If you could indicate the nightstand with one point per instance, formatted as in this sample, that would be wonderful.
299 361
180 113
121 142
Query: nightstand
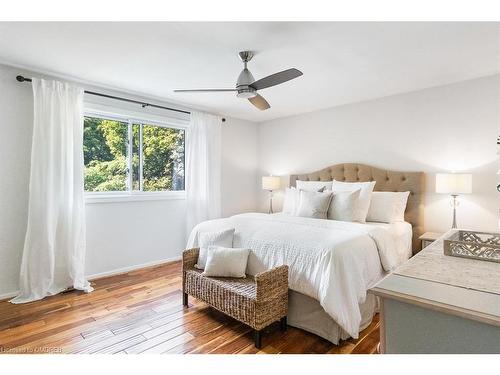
429 237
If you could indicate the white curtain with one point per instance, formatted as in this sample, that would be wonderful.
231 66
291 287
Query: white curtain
54 247
203 169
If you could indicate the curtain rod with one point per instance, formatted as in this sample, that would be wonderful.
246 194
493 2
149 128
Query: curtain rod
143 104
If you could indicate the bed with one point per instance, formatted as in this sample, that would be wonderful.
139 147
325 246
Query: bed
331 263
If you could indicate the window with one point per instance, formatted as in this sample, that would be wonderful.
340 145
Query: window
134 157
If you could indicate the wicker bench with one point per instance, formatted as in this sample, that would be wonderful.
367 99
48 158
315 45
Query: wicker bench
256 301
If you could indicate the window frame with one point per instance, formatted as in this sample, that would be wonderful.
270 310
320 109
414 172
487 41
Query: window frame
138 119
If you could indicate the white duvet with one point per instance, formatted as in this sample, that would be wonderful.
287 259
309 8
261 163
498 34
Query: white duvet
334 262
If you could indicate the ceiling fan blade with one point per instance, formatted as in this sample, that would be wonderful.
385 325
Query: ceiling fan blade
276 79
203 90
259 102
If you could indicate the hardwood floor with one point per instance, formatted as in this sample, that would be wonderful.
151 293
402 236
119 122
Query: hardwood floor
142 312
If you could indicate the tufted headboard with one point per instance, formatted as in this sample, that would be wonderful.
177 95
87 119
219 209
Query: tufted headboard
414 182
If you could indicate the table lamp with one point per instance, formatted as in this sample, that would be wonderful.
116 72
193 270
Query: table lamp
271 183
454 184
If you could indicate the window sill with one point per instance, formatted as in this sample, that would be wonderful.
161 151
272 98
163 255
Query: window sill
92 198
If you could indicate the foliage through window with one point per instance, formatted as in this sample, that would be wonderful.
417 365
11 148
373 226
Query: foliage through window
129 156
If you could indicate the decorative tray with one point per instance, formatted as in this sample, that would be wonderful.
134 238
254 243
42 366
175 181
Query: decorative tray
473 245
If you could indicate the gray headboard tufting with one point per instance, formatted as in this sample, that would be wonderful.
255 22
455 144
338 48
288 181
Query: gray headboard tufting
414 182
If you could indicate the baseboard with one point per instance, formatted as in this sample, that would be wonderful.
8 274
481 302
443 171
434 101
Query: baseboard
123 270
8 295
114 272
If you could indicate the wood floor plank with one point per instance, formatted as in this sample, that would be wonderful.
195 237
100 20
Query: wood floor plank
121 346
368 343
236 344
97 344
211 339
50 332
141 312
156 340
172 322
166 345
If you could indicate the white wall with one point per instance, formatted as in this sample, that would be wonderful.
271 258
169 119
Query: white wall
119 235
15 149
452 127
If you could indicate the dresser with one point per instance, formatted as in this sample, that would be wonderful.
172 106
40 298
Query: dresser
440 304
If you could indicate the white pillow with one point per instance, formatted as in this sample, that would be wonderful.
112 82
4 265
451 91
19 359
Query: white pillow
205 239
344 206
226 262
313 185
365 195
314 204
388 207
290 201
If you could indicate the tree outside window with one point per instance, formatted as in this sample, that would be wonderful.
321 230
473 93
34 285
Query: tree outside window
124 156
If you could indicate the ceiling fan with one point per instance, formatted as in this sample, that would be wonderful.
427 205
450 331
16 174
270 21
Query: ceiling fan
247 86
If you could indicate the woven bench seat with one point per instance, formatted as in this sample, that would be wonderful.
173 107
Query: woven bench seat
257 301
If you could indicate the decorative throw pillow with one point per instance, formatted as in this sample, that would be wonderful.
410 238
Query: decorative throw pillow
388 207
292 199
344 206
313 185
226 262
206 239
365 195
314 204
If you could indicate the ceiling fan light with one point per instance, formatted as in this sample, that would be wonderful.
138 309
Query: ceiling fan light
246 93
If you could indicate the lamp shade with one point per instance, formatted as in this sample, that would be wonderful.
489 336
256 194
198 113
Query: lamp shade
454 183
271 182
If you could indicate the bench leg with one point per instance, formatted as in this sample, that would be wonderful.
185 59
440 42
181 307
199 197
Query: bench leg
257 338
185 299
283 324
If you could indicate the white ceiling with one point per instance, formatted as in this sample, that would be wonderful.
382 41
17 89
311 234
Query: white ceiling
342 62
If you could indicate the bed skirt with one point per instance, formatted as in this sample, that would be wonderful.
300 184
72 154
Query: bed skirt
306 313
